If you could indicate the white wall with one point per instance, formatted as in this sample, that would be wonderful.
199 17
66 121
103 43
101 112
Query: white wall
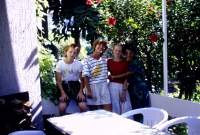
174 106
19 69
49 108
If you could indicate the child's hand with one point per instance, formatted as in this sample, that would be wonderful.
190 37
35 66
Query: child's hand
123 96
81 96
63 98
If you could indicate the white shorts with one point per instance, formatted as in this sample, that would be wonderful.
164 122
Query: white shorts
115 93
100 93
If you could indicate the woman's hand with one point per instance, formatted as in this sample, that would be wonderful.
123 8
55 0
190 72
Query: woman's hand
63 97
80 96
89 94
123 96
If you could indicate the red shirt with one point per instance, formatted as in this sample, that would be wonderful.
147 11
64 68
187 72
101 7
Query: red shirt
117 68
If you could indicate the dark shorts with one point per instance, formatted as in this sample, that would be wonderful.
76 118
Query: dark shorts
71 89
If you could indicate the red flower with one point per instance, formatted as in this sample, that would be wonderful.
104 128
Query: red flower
154 38
169 3
111 21
89 2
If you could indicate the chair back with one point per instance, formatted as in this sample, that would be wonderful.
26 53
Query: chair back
193 124
28 132
152 117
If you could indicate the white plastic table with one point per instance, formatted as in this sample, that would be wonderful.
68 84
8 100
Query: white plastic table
101 122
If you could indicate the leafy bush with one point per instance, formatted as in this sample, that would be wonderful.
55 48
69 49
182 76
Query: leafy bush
47 63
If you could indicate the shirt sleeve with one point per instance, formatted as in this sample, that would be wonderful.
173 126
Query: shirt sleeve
86 69
80 66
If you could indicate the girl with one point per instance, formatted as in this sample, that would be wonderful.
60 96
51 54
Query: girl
118 88
95 77
138 88
68 73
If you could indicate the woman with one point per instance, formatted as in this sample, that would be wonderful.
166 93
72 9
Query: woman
118 88
95 77
138 89
68 73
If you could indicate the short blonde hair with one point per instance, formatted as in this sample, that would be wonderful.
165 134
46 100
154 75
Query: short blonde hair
73 45
100 41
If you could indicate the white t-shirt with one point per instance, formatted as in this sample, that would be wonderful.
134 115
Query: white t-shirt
70 72
96 70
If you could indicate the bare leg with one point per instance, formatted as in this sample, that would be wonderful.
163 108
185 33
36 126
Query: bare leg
107 107
62 108
93 107
82 106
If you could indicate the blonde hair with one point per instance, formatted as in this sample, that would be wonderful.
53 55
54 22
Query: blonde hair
100 41
118 45
73 45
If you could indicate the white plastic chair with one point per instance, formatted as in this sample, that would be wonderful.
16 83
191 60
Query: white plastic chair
152 117
193 124
28 132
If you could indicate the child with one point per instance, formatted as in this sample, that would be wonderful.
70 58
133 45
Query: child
118 88
68 73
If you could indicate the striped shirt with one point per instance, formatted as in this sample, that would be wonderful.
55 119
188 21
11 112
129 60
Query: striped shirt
95 70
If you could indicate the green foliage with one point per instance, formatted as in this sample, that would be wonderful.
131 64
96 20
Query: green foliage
47 63
183 45
136 20
83 53
179 129
40 6
46 60
84 22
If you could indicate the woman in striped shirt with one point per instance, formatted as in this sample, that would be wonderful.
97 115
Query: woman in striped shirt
95 76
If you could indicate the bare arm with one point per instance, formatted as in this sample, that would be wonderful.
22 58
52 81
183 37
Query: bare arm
63 97
89 92
123 94
125 84
82 82
58 81
80 95
125 75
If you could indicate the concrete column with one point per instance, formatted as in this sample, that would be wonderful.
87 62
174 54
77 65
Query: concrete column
19 69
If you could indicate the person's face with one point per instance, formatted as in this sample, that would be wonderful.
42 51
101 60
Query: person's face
100 48
129 55
71 53
117 51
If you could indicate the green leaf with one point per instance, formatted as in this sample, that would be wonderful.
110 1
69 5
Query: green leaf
94 16
91 31
80 10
